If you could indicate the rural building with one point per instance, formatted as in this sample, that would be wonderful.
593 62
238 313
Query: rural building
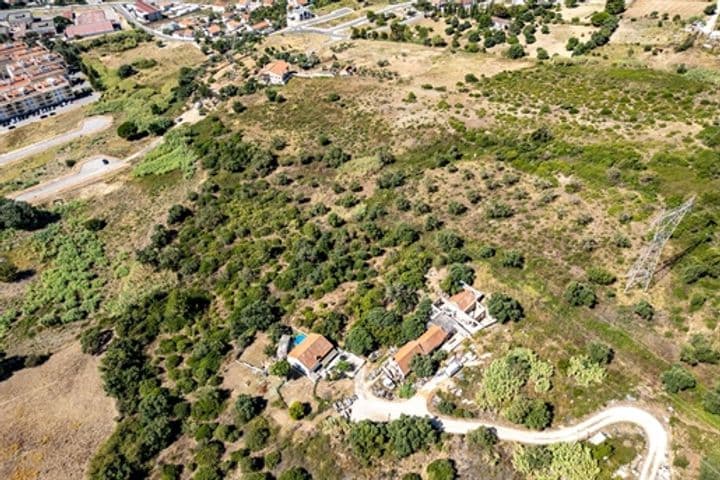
147 12
263 27
312 355
427 343
500 23
298 13
31 78
19 23
276 73
462 313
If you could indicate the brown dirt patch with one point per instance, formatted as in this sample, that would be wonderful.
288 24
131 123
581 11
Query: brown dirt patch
53 418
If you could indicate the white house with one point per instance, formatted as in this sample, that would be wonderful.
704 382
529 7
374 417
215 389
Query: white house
276 73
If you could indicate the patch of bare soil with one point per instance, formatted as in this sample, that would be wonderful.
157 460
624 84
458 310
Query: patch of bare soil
53 417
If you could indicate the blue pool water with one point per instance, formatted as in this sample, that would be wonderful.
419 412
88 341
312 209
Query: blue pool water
298 339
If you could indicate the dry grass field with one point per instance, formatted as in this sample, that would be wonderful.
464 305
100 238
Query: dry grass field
684 8
583 11
554 42
47 128
53 417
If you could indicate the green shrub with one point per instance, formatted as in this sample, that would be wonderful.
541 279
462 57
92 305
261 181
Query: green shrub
644 310
579 294
677 379
505 308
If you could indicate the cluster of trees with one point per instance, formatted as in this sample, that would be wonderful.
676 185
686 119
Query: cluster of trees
502 384
504 308
569 461
151 414
607 21
21 215
371 441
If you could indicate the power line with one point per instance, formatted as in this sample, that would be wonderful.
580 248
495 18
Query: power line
663 226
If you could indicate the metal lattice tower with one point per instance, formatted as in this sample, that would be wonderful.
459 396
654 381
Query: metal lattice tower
664 225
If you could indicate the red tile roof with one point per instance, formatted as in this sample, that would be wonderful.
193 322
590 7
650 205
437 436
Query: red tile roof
278 67
424 345
311 351
144 7
88 29
464 300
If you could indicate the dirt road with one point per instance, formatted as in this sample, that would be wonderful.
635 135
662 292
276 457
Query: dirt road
369 407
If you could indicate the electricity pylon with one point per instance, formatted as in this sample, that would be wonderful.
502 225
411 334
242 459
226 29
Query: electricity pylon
664 225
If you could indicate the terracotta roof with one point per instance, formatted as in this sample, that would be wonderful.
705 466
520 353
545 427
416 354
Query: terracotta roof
261 25
279 68
425 344
214 28
144 7
403 357
311 351
464 300
89 29
432 339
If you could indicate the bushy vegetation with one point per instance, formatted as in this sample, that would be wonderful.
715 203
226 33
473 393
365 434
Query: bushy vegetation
502 386
70 288
569 461
399 438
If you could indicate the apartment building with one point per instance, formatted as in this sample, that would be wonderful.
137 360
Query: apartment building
31 79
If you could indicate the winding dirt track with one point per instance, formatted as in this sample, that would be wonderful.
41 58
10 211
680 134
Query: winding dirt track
369 407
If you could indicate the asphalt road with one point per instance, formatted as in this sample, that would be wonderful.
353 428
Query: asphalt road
131 19
90 171
309 26
90 125
369 407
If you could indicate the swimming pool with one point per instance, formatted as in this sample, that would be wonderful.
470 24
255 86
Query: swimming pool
298 339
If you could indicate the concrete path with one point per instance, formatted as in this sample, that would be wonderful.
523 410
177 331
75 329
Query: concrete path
369 407
90 125
86 173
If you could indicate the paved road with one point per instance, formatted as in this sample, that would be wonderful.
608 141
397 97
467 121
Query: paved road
93 169
90 171
369 407
308 26
74 105
90 125
131 19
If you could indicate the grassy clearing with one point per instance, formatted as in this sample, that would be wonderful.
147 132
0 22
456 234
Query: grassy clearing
173 154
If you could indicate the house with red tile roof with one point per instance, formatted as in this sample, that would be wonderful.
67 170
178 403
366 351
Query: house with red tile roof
425 344
262 27
312 354
89 29
276 73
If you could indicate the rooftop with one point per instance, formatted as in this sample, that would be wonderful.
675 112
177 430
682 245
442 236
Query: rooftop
311 351
278 67
423 345
89 29
464 300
